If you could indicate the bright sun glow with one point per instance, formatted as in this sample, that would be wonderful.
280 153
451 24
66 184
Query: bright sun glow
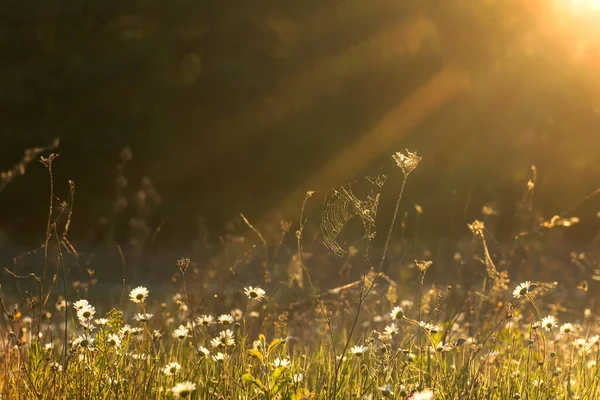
583 5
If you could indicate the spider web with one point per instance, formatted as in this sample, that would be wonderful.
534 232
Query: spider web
343 205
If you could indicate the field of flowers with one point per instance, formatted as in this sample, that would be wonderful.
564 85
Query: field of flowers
394 333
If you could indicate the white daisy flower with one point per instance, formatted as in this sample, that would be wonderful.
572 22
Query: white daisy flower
281 362
139 356
101 321
143 317
224 339
135 330
549 322
79 304
391 330
203 352
183 389
386 391
255 293
225 319
524 288
139 294
171 368
86 313
567 328
205 320
358 350
297 378
429 327
397 313
56 367
237 314
113 340
219 357
125 330
441 347
424 395
181 332
84 341
61 305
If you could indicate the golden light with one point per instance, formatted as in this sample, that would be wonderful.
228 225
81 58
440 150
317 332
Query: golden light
582 5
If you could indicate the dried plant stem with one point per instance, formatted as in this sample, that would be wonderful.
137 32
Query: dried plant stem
312 286
364 294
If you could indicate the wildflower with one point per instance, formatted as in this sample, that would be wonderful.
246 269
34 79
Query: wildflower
423 265
86 313
183 389
524 288
254 293
358 350
203 352
219 357
205 320
441 347
407 163
476 228
61 305
171 368
135 330
386 391
49 346
429 327
125 330
183 264
84 341
297 378
225 319
156 334
113 340
139 294
566 328
225 339
424 395
237 314
391 330
55 367
143 317
491 356
281 362
549 322
406 303
79 304
101 321
139 356
257 345
397 313
181 332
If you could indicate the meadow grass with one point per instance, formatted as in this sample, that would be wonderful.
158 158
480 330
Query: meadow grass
392 333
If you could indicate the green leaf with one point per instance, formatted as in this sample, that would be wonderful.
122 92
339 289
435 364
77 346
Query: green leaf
277 373
256 354
249 378
273 344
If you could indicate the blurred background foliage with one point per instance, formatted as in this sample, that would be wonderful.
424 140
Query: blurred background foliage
241 106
